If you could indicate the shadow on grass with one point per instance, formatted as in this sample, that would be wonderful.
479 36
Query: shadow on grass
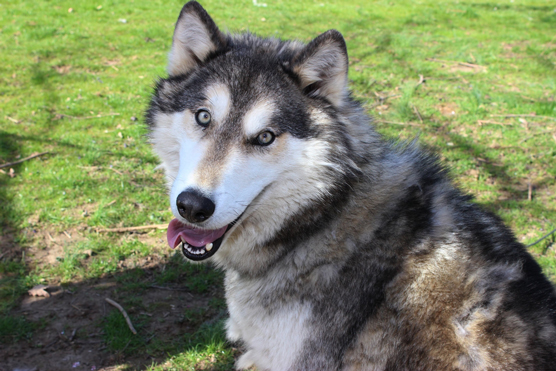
176 308
11 261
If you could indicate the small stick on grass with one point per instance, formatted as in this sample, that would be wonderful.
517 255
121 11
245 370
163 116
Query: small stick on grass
396 123
471 65
23 159
526 115
131 229
13 120
72 334
123 350
89 117
421 81
124 313
533 135
481 122
542 238
116 171
79 309
417 111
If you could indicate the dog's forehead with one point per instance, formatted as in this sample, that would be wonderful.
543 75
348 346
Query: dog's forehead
241 91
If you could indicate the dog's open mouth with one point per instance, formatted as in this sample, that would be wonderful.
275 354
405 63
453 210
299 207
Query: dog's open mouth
196 244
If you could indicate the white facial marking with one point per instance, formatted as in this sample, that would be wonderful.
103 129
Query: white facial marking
258 118
192 148
191 153
219 101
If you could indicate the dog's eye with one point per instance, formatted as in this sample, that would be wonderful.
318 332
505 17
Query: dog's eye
203 117
265 138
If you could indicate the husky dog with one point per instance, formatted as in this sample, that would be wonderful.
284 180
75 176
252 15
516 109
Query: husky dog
342 250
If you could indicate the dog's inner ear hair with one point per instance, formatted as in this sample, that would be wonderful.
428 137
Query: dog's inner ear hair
322 67
196 36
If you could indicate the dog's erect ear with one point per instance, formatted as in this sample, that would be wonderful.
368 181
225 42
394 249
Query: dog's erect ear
322 67
195 37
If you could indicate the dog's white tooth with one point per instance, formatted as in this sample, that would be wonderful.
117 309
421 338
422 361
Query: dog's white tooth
183 239
208 246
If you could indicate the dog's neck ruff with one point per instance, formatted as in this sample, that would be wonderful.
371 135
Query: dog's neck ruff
196 244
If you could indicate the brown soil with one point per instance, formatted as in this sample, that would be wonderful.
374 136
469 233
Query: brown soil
69 334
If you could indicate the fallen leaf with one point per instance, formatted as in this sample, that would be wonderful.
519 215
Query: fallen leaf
39 290
12 173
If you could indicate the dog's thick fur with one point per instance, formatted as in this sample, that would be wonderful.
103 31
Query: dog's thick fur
342 251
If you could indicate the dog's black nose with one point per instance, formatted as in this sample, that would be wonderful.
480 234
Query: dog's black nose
194 207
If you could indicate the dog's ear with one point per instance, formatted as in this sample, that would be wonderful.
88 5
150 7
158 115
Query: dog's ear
195 38
322 67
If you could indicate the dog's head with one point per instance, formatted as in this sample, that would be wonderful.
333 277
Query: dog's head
247 128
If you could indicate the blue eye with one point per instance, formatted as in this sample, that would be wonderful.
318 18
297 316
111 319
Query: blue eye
265 138
203 117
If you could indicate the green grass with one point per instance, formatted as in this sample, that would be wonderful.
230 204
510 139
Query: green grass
13 329
205 349
71 82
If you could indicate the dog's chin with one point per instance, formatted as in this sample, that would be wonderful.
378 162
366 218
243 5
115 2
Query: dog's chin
201 253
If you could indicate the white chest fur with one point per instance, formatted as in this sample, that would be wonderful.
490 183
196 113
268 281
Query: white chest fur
274 338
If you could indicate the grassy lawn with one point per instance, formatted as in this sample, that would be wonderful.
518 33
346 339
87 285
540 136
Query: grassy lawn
474 80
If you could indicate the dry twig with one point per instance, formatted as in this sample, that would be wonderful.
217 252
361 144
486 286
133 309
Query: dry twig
23 159
421 81
13 120
396 123
417 113
131 229
470 65
526 115
87 117
480 122
542 238
534 135
124 313
116 171
168 288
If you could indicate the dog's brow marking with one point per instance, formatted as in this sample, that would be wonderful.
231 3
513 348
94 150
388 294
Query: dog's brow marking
219 100
258 117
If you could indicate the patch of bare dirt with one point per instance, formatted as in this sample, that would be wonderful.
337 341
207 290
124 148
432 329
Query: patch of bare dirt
71 334
514 50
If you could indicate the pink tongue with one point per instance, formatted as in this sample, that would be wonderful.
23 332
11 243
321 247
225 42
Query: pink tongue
194 236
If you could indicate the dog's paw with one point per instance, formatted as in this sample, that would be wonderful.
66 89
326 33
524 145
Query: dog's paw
233 333
245 361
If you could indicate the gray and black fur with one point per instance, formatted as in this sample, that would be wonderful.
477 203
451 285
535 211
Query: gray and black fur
392 266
